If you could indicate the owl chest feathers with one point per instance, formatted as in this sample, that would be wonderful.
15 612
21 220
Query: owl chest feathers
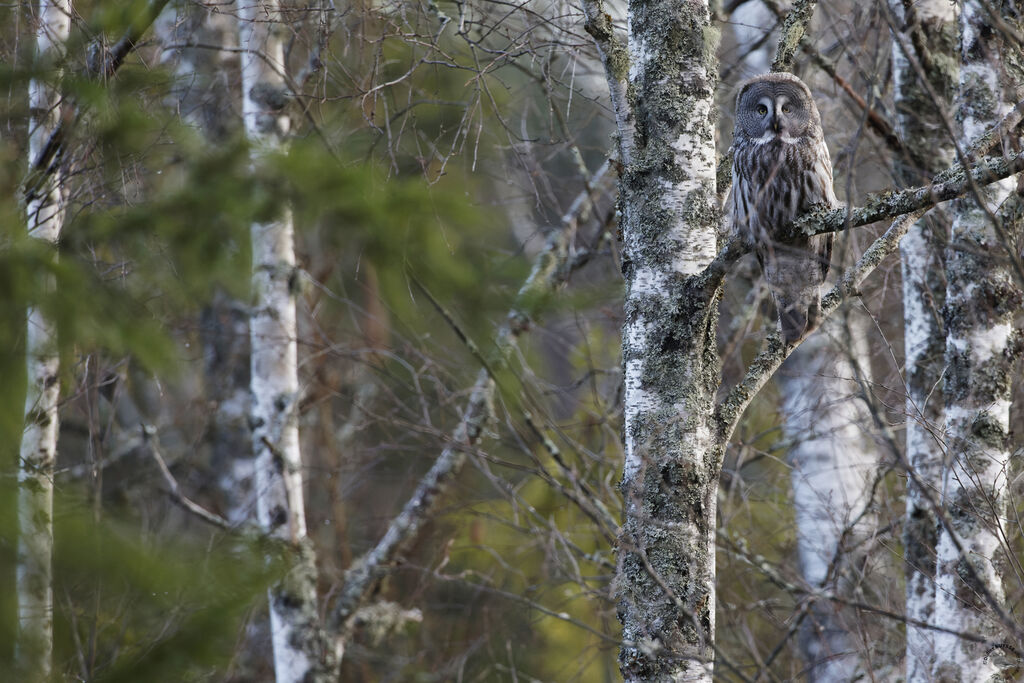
775 181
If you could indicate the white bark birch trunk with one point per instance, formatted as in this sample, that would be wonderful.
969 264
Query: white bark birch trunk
928 33
981 298
833 466
666 572
301 650
39 441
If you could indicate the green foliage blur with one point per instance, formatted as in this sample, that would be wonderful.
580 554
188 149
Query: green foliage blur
129 610
157 227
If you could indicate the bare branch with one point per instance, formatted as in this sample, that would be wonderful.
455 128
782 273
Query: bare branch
112 59
739 549
149 438
616 68
549 271
103 63
891 204
876 121
761 369
793 30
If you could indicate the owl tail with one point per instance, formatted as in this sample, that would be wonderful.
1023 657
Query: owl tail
798 316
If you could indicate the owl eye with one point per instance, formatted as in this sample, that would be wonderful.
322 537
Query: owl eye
762 110
786 109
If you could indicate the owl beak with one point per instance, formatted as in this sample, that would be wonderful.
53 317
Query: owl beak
775 124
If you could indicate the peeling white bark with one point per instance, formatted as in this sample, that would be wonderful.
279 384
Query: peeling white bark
670 225
977 384
301 652
921 269
38 453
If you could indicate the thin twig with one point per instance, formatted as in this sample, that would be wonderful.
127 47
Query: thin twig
548 272
103 65
793 29
149 438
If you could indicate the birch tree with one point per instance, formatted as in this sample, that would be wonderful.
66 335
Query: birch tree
924 63
45 210
670 229
982 296
301 649
834 471
675 435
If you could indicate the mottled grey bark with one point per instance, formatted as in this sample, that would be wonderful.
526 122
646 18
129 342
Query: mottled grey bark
302 649
925 65
670 221
981 347
224 330
45 215
793 30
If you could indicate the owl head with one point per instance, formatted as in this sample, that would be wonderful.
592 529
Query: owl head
775 106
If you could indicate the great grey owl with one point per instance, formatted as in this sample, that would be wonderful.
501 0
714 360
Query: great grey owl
781 169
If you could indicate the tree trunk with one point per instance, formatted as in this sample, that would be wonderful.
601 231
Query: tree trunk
670 218
981 299
301 650
202 96
833 466
926 35
39 441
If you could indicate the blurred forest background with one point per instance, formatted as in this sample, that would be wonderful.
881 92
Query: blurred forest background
437 150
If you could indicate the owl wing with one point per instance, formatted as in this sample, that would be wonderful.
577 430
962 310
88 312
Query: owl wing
818 191
807 264
743 210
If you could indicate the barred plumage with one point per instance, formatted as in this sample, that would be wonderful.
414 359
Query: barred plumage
781 169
